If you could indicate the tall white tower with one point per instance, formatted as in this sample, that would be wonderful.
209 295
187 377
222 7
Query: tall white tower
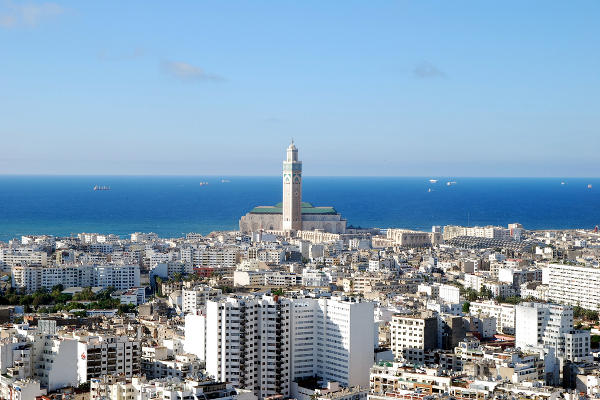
292 190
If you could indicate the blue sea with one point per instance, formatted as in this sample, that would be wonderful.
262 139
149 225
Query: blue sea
172 206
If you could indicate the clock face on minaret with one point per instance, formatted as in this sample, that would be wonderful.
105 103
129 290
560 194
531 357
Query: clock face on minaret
292 190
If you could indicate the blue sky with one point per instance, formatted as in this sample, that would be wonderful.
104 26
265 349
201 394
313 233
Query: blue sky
446 88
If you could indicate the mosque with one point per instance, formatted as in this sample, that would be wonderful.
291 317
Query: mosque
292 214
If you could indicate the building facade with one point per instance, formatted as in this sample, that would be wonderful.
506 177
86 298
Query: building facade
292 214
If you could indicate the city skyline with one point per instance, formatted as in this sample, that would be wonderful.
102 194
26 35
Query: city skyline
407 89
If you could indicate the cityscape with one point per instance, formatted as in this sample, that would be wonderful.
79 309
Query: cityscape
299 304
315 200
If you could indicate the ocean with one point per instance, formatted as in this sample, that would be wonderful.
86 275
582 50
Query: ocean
174 205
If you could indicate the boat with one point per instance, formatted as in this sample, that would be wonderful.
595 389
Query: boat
562 183
590 186
225 181
450 183
429 190
203 183
433 180
98 187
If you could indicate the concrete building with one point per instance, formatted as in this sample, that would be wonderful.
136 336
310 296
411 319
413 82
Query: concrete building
55 362
248 343
409 238
576 285
265 343
292 214
102 355
413 335
542 325
31 278
194 299
504 314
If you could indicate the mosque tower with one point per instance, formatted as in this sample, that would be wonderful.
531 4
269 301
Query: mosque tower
292 190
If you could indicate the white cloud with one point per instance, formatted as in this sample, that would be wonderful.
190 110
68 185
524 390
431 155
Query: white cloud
188 72
16 14
428 70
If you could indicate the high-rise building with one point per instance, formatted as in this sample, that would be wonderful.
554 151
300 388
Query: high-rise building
248 343
542 325
576 285
265 343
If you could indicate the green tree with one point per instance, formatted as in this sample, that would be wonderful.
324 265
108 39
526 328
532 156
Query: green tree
466 306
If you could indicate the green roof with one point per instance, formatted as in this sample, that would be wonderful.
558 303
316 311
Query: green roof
307 208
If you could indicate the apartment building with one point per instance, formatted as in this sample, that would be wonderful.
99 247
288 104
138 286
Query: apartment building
31 278
265 343
576 285
332 338
542 325
101 355
413 335
248 343
55 361
23 256
504 314
194 299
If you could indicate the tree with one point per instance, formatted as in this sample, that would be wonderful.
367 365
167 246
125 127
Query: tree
466 306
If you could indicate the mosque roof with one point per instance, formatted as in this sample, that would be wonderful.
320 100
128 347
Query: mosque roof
307 208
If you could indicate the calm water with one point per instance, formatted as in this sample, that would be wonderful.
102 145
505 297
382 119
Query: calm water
172 206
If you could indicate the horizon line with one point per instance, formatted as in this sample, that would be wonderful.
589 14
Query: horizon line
304 176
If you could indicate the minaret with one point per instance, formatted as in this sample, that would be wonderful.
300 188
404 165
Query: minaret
292 190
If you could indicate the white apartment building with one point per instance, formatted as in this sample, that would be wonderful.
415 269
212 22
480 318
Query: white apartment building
205 256
23 256
194 299
15 357
32 278
576 285
55 361
542 325
490 232
332 338
264 343
248 343
504 314
117 276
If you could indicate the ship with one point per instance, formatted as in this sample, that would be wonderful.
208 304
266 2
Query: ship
98 187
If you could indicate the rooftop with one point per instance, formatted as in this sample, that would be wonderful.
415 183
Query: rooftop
307 208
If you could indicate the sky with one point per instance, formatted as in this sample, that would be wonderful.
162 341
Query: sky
376 88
